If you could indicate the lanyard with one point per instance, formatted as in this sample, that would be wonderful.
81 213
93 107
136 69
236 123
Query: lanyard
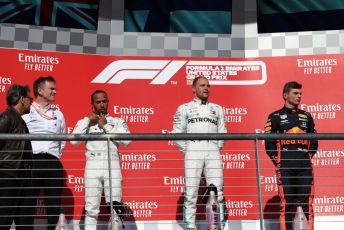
42 113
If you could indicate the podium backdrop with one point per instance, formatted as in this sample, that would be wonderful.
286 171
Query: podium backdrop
145 92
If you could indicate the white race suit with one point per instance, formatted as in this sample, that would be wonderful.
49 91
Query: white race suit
97 170
200 117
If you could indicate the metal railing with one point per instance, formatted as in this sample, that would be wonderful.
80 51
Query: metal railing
255 137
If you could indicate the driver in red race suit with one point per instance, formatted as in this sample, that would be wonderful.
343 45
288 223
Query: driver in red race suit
292 158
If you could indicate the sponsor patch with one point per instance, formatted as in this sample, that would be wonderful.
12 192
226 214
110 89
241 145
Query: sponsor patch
267 129
283 116
302 115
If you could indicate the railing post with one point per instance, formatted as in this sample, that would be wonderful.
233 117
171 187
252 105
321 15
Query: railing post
260 201
110 181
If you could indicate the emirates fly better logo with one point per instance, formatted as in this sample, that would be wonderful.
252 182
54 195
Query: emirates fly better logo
161 71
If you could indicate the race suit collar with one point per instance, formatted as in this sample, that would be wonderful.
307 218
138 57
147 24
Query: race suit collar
201 102
106 115
290 110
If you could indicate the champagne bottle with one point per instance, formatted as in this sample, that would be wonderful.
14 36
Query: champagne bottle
62 222
300 221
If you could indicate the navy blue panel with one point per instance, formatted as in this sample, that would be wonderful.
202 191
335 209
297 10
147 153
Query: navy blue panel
89 21
158 19
305 21
71 13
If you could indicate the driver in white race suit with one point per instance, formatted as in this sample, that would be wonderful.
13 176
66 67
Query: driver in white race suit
200 116
96 169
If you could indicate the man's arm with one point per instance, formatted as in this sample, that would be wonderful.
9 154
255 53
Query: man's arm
63 131
4 121
271 145
119 127
221 126
313 147
179 126
81 127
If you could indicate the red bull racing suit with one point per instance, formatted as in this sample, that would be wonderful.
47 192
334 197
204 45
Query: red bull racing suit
293 161
200 117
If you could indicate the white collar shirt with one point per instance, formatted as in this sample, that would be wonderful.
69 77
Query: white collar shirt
46 120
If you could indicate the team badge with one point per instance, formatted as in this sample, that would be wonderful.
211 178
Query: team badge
283 116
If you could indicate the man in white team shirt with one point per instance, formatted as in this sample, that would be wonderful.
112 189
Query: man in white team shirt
47 172
96 169
200 116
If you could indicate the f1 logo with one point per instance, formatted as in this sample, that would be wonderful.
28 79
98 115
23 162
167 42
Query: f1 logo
160 71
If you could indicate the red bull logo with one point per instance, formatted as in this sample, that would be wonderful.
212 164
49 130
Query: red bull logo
295 130
293 142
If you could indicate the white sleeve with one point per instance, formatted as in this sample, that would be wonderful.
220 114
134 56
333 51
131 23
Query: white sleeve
80 128
221 126
179 126
26 118
63 131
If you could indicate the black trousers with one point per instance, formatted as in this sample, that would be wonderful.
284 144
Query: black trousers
15 201
295 187
48 175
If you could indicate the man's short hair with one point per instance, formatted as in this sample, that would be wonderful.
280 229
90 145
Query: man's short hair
96 92
194 82
40 82
291 85
15 92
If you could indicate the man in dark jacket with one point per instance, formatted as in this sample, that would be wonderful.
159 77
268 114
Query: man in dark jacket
15 162
292 158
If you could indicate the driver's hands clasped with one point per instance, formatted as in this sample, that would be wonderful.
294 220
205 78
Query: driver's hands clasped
97 119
